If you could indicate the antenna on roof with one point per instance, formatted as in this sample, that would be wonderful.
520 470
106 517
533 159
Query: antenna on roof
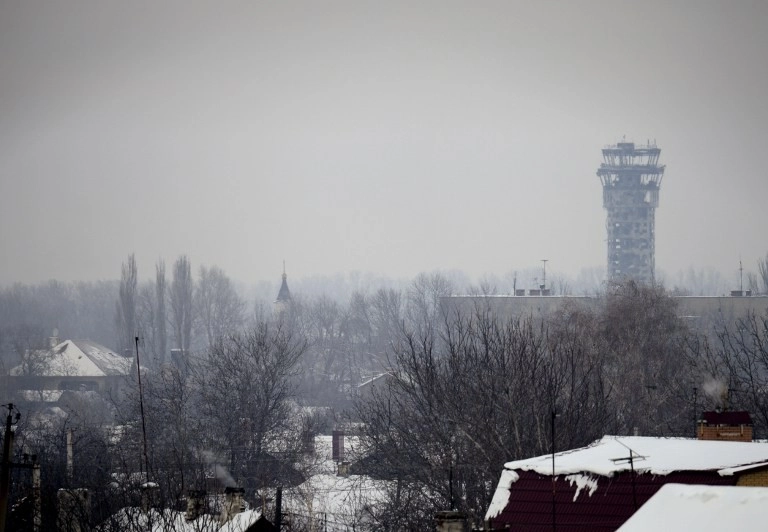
631 459
741 276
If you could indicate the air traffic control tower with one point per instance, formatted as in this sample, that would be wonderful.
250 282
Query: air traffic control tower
631 177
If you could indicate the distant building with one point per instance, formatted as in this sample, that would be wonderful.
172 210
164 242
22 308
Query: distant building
77 365
631 177
283 301
700 312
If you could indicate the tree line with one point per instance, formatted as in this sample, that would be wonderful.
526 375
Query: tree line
464 390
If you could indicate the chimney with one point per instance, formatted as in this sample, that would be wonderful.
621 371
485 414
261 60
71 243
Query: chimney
53 340
308 442
195 504
725 426
338 446
74 510
233 503
149 496
450 521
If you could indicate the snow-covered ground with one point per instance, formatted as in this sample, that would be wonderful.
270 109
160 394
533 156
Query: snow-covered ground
134 520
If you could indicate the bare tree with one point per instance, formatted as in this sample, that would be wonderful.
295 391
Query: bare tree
762 268
644 344
181 303
161 315
220 310
423 303
734 362
471 393
125 316
245 383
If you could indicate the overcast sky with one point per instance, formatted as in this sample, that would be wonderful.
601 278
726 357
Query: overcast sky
390 137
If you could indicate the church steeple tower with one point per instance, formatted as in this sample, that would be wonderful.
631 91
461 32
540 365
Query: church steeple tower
284 295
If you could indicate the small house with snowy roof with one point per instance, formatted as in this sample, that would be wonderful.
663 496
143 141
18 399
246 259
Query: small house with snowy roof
80 365
600 486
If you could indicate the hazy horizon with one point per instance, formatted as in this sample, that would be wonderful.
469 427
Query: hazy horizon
391 138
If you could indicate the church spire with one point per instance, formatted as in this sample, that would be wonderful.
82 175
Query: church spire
284 295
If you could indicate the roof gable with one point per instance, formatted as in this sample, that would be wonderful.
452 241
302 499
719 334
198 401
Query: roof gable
78 358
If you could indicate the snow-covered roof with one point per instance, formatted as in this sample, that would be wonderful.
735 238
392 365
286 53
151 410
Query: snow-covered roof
78 358
701 508
658 456
342 500
375 378
134 520
45 396
323 456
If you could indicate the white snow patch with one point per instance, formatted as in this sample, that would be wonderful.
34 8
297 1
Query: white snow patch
134 520
347 499
701 508
582 481
658 456
76 358
501 496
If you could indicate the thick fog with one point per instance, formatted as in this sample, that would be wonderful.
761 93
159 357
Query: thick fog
385 137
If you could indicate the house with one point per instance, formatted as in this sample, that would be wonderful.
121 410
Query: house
333 498
600 486
80 365
725 425
701 508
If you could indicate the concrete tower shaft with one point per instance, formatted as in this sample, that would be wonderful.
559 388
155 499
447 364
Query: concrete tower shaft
631 177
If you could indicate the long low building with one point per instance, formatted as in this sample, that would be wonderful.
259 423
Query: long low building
699 310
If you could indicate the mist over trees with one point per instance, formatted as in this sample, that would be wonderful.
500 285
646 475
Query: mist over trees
233 389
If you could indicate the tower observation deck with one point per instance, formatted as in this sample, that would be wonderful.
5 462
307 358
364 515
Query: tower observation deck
631 177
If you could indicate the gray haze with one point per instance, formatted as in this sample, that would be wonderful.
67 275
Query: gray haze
391 137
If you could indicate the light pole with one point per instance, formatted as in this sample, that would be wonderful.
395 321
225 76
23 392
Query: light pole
5 467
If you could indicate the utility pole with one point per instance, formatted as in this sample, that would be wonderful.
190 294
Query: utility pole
37 518
695 413
554 483
70 457
141 407
5 466
279 507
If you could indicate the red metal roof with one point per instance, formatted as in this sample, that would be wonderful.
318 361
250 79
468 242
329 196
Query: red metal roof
727 418
529 506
